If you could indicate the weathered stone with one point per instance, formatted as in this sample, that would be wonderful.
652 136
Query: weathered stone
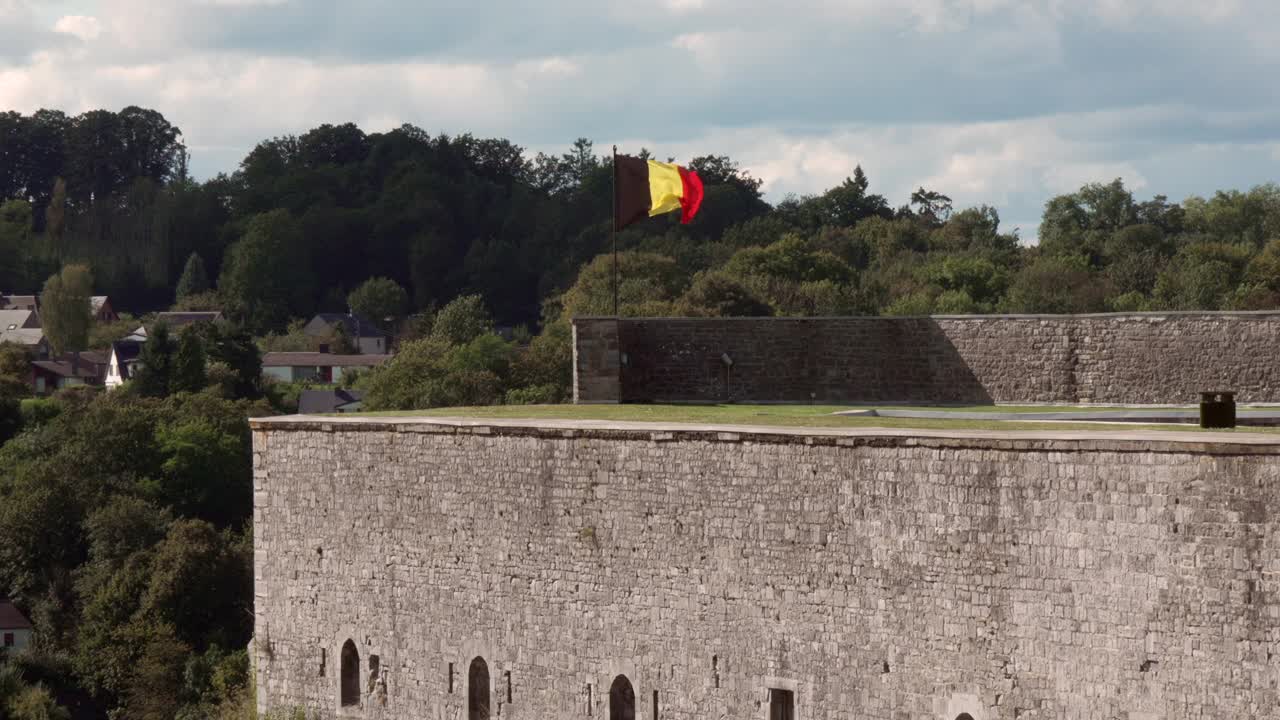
879 575
1144 358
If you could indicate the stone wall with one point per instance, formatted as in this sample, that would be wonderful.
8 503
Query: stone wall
1143 358
873 575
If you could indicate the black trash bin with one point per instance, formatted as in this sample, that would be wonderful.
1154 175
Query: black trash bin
1217 409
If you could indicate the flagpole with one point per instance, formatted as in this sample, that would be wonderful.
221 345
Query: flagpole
615 230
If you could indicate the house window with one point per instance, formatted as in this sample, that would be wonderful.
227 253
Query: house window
350 674
478 690
8 640
782 705
622 699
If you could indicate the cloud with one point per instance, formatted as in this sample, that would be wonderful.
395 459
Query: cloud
999 101
79 26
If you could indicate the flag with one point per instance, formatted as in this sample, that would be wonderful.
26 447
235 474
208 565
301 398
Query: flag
644 188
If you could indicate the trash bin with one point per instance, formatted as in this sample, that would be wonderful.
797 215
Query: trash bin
1217 409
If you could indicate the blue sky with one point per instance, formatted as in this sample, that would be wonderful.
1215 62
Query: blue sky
1004 102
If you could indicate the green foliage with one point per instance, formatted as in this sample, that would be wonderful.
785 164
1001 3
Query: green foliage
434 373
194 279
156 363
262 279
65 311
189 362
206 301
378 299
647 283
720 294
463 320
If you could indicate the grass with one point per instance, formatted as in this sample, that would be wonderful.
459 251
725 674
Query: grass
776 415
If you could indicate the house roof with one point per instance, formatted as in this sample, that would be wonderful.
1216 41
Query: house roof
63 368
18 320
97 301
96 357
313 402
126 350
11 618
317 359
29 337
22 301
367 328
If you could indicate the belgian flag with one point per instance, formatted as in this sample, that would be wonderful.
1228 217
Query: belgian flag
644 188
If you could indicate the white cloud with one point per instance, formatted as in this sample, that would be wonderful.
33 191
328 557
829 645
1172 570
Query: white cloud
83 27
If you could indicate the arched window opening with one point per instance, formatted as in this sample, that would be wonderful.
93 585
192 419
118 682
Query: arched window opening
964 716
478 690
622 699
350 674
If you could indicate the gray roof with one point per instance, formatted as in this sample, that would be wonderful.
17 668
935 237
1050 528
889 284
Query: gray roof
29 337
324 323
18 320
318 359
313 402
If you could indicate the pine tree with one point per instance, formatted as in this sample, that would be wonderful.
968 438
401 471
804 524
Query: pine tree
156 363
195 279
188 363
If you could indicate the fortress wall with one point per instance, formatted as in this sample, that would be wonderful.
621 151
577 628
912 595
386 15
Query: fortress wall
1145 358
912 577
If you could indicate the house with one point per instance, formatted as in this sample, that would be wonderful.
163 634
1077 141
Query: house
366 336
122 360
318 366
68 371
178 320
19 302
11 319
100 306
32 340
316 402
15 628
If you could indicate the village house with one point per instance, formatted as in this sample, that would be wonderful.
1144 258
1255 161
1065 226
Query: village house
19 302
122 360
362 332
322 367
69 370
100 306
15 628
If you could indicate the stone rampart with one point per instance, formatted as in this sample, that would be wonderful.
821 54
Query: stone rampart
1004 576
1144 358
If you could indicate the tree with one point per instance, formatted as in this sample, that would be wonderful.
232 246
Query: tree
65 309
379 299
194 280
188 363
265 275
15 238
462 320
156 363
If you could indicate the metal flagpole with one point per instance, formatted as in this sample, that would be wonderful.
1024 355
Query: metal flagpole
615 230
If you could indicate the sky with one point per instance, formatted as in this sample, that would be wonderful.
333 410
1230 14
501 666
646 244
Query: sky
998 102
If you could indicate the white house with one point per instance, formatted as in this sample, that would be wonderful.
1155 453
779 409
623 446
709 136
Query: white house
15 628
122 361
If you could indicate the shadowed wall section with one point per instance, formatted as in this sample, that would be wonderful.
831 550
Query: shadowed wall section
1148 358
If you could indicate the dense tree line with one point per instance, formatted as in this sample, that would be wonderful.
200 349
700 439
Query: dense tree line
306 219
124 516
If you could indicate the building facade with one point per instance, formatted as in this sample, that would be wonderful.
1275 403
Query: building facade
436 568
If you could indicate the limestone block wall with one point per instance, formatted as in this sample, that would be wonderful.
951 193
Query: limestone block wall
1143 358
873 576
